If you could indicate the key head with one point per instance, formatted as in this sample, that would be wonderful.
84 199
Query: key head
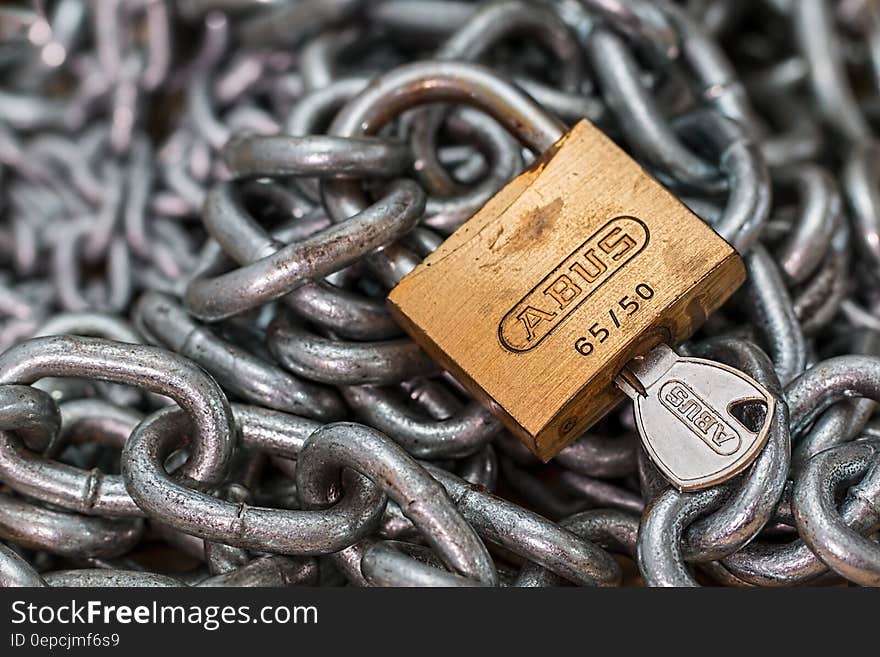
684 413
578 265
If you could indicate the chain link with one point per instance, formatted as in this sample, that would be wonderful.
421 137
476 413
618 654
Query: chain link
204 203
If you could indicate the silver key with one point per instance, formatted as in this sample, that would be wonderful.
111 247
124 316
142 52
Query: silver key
683 412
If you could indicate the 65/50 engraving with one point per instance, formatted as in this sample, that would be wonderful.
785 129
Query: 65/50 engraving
627 306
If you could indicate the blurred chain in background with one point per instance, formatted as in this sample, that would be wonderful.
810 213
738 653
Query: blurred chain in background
204 202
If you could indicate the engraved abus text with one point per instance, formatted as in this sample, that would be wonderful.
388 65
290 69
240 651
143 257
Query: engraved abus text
698 416
572 282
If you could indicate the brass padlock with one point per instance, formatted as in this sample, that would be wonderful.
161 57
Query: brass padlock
577 266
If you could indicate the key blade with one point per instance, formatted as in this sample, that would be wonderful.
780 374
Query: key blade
653 365
629 383
642 371
686 424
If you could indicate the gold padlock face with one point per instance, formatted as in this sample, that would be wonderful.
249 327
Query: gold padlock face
578 265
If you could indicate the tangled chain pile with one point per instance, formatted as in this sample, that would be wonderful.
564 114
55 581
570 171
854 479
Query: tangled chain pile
203 204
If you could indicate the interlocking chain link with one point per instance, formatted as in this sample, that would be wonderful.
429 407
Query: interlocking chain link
203 204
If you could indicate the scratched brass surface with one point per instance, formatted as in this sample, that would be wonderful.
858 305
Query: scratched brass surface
578 265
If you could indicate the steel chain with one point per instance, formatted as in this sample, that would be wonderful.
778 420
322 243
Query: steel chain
203 204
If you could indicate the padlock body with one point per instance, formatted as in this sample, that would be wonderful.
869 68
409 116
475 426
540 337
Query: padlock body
578 265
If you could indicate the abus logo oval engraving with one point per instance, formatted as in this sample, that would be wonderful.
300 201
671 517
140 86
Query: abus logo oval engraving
572 282
698 416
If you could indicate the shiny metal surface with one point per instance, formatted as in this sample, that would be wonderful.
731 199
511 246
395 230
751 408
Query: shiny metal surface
203 205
